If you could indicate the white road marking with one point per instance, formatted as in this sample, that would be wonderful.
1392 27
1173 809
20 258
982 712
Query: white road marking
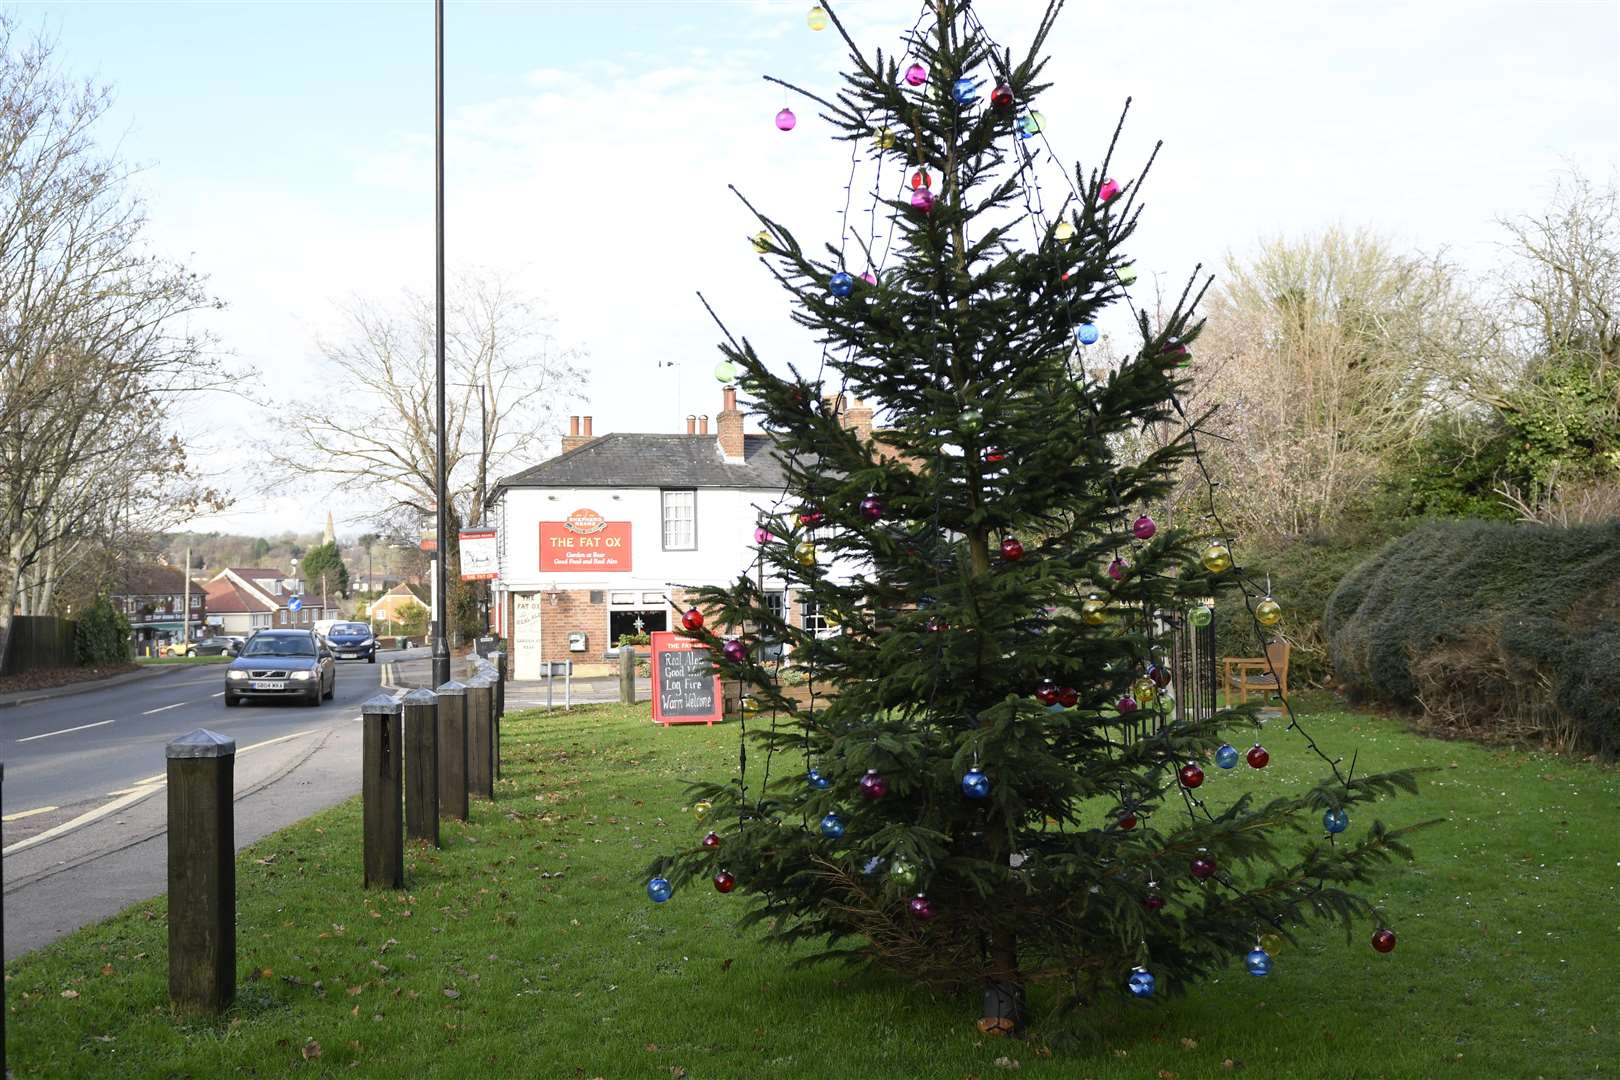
19 815
220 694
64 731
141 790
165 708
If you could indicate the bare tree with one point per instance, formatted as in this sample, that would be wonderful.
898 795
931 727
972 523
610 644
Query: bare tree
374 435
94 339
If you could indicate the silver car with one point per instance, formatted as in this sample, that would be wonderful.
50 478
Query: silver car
293 664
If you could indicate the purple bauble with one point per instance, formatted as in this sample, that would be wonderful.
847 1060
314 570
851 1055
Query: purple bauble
762 535
921 908
785 120
1203 868
872 508
1126 705
1116 569
922 199
916 75
1143 528
873 786
734 650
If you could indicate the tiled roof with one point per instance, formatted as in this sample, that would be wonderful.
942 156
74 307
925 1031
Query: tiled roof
149 581
226 596
633 460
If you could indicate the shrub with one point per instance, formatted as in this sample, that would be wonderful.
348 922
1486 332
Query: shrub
101 634
1497 630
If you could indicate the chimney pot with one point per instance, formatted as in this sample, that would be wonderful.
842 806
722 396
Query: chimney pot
729 399
703 424
691 423
587 432
573 425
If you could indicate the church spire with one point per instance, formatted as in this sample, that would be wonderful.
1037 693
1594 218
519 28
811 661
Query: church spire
329 535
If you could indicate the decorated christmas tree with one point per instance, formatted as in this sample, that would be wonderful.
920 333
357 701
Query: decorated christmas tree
984 763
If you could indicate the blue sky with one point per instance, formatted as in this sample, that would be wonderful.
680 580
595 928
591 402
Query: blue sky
287 152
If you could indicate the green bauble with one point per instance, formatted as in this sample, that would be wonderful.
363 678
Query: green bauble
903 874
725 371
1126 274
1200 616
971 421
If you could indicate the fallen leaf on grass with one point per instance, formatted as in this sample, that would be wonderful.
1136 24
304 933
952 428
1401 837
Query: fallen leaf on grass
70 994
107 969
1228 1064
311 1050
451 992
1189 1044
355 990
651 1048
1007 1063
677 1072
1166 1074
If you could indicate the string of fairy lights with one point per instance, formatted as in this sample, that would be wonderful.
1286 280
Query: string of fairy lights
1026 126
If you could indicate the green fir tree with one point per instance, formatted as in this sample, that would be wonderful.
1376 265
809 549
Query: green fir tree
935 806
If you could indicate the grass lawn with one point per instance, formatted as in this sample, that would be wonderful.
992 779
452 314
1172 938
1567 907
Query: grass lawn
526 947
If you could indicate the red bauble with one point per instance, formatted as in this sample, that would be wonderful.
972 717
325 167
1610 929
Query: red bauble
935 624
1001 96
873 786
1191 775
992 456
1012 550
1127 821
712 840
811 517
1258 756
921 180
921 908
1203 868
1068 697
724 882
1047 693
1383 941
693 619
1160 675
1153 901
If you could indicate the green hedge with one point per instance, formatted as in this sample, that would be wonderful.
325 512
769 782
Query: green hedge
102 634
1493 629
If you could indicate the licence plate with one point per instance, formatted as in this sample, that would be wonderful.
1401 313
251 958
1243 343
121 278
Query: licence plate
266 684
350 655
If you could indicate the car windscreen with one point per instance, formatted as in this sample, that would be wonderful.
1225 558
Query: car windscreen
279 646
351 628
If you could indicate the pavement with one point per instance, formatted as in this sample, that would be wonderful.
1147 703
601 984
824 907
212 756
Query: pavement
84 800
527 693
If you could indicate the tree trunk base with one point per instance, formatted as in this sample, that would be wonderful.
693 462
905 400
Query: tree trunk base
1003 1010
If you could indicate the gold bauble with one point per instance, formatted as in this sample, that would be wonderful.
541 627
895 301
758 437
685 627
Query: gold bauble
1093 611
805 553
1268 612
1064 230
1144 690
817 18
701 809
749 706
884 139
1217 558
762 241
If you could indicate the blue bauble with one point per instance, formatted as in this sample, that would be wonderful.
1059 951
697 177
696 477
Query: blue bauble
964 91
1227 756
1335 821
832 826
817 781
976 785
1141 983
1258 962
840 284
659 890
874 866
1086 334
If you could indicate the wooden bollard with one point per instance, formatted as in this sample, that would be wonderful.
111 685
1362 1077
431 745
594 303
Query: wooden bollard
452 698
420 710
202 871
627 675
382 817
480 738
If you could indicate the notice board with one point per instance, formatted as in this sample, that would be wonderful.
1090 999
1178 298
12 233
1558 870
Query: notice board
685 685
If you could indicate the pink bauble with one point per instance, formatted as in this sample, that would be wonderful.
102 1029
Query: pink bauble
916 75
922 199
873 785
762 535
1116 569
869 277
1109 191
1143 528
921 908
785 120
1126 705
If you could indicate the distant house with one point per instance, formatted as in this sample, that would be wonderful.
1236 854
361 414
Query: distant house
244 599
152 599
393 604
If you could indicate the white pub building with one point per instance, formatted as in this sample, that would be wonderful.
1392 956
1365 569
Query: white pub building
599 541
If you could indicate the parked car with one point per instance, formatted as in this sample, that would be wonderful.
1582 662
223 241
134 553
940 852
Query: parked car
352 641
282 664
177 648
217 646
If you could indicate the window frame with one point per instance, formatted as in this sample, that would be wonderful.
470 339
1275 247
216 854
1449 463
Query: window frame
663 518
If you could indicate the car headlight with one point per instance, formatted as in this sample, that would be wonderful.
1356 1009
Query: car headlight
236 673
301 676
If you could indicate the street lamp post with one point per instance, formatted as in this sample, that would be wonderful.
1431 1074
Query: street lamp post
441 644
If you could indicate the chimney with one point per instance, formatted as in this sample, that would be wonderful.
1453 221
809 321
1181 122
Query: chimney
691 424
728 425
858 418
703 424
574 439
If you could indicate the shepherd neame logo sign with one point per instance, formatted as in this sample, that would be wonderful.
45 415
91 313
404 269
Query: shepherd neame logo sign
584 541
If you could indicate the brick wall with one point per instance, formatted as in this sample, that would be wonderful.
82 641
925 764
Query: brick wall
566 612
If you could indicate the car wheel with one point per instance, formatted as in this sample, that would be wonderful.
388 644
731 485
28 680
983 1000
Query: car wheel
232 701
314 698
